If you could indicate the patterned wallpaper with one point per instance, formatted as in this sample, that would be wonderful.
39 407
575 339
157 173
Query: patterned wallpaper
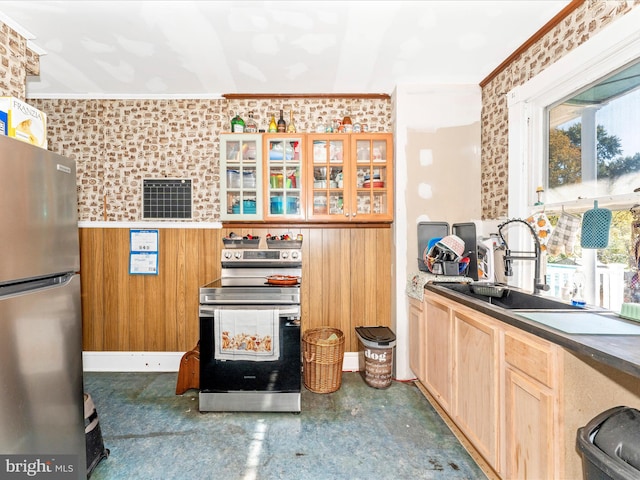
15 61
588 19
118 143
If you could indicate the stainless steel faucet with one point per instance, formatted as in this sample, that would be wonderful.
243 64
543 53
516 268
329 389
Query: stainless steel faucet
539 283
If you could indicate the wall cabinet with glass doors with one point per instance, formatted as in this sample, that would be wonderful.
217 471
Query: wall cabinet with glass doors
282 182
350 177
307 177
240 176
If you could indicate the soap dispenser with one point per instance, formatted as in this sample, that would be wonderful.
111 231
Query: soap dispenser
578 292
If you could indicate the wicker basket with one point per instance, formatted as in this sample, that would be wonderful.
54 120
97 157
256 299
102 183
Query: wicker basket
322 359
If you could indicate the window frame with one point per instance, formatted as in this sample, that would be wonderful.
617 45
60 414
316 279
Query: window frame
612 48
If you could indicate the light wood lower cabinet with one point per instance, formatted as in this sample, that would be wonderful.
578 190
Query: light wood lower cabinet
532 428
501 386
416 338
438 351
475 382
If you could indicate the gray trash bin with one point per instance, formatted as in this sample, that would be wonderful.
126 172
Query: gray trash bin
610 445
375 356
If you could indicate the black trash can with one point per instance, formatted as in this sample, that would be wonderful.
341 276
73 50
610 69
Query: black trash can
375 355
93 436
610 445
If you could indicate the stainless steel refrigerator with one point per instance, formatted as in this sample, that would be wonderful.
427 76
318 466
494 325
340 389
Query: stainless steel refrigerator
41 386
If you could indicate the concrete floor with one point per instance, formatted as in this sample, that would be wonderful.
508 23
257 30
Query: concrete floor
355 433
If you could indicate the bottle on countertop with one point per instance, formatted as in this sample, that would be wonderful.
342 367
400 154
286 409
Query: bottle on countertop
237 124
291 128
250 125
273 126
579 281
320 128
282 125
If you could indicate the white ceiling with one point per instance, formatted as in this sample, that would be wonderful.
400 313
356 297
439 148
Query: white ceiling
206 48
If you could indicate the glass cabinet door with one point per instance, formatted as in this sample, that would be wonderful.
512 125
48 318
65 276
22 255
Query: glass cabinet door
240 175
373 175
327 182
283 182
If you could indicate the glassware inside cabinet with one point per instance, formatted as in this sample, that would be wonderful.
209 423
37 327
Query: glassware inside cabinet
328 151
363 151
241 151
320 202
379 153
233 151
286 203
243 205
284 164
284 150
319 177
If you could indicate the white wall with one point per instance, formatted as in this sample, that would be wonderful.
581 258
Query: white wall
437 167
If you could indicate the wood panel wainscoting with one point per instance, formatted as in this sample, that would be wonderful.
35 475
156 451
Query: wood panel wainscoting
346 283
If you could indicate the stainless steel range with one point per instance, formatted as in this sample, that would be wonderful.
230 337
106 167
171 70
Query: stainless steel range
250 333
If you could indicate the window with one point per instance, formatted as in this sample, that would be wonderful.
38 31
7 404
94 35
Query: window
572 130
593 150
594 140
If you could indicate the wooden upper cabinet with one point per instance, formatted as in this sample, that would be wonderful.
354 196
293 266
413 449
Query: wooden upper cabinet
372 171
240 176
332 178
350 177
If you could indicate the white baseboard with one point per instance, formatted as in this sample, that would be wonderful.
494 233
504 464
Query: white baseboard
160 361
131 361
350 362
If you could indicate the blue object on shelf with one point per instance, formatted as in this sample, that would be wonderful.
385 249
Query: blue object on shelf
277 205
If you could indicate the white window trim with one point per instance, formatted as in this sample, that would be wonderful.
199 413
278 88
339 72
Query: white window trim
610 49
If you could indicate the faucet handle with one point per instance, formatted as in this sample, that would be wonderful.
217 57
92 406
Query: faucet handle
508 269
541 286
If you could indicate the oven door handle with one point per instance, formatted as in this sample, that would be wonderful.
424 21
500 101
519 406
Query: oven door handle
283 311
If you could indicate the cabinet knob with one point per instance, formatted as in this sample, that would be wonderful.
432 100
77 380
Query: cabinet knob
346 214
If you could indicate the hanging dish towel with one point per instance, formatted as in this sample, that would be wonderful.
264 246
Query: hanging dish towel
416 283
542 227
595 227
247 335
563 237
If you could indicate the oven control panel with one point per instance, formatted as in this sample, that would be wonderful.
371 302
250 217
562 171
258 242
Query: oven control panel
268 256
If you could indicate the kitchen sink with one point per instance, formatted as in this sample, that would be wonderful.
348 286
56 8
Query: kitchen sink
513 299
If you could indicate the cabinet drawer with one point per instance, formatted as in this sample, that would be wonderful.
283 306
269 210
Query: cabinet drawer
531 357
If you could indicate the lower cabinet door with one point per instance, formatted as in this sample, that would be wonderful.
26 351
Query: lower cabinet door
476 384
529 420
438 357
416 338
